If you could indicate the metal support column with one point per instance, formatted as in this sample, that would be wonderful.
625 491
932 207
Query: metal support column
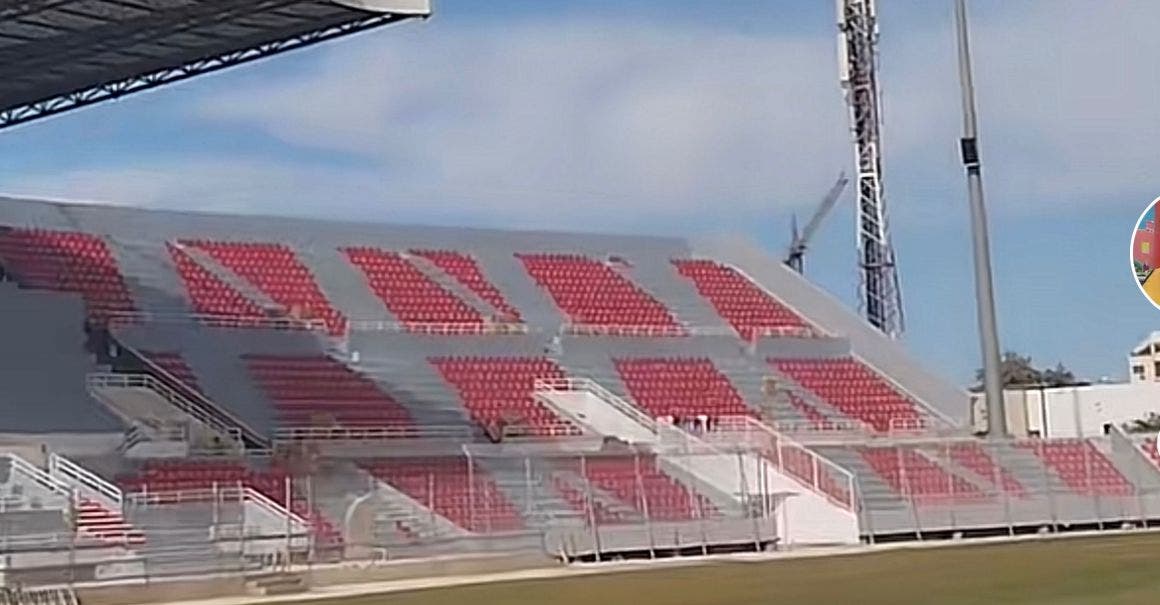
984 289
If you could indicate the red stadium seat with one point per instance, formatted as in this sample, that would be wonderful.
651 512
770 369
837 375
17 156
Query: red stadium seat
853 389
453 487
739 301
496 388
591 293
407 292
67 261
680 387
319 391
275 270
466 270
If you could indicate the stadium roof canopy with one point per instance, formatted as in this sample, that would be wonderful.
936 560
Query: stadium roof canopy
57 55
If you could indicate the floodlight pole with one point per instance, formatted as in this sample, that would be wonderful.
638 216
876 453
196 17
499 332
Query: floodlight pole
984 287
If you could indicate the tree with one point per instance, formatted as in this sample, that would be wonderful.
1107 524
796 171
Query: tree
1059 376
1017 371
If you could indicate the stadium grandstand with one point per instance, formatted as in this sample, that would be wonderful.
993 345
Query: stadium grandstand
191 394
325 391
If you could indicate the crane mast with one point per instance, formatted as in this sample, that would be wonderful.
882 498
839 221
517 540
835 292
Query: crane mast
880 295
799 242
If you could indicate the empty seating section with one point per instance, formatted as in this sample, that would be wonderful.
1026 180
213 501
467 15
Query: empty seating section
591 293
913 475
978 461
275 270
1082 466
748 308
211 296
174 365
319 391
852 389
453 487
407 292
465 269
500 389
66 261
681 387
638 482
185 480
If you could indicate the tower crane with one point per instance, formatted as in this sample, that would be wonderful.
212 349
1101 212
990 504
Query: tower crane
797 247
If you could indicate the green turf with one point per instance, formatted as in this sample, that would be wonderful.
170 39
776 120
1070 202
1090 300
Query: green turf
1120 569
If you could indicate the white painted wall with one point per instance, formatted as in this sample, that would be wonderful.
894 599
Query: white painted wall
1076 411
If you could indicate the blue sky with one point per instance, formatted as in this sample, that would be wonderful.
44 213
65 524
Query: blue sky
665 117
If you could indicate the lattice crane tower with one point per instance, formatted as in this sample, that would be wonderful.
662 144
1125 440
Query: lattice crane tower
880 296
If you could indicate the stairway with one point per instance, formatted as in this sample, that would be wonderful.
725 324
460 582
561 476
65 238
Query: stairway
93 520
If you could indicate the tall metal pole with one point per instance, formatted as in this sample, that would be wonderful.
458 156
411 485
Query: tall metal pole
984 289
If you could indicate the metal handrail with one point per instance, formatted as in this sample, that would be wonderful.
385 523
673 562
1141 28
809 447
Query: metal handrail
59 466
750 425
437 328
128 318
338 433
146 381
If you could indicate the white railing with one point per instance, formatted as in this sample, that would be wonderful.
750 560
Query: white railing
145 381
793 459
635 331
785 332
223 493
566 385
128 318
826 427
38 476
437 328
339 433
88 483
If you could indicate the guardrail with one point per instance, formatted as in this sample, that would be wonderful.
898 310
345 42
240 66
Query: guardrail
38 476
791 458
88 483
437 328
129 318
318 433
146 381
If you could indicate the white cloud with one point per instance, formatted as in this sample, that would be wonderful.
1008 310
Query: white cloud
612 124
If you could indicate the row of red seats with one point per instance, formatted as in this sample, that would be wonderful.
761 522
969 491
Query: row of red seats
747 307
407 292
591 293
454 487
1082 466
319 391
500 389
852 389
67 261
680 387
465 269
914 475
276 270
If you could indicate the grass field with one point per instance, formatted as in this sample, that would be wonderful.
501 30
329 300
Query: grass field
1119 569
